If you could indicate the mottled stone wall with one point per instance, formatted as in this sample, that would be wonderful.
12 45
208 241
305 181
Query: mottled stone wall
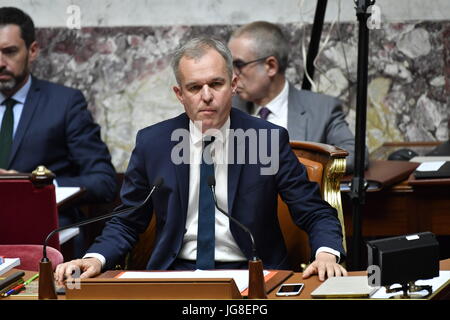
125 74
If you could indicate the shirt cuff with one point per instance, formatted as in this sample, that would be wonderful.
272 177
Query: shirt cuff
96 255
329 250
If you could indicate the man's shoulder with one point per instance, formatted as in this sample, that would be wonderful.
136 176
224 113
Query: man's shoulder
51 85
312 99
166 127
54 87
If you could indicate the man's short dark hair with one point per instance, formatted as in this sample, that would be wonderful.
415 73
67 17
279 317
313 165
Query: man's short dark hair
196 48
11 15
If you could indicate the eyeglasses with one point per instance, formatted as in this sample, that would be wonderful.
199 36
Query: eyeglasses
239 64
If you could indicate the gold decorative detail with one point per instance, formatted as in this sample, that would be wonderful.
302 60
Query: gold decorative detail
42 176
42 171
331 190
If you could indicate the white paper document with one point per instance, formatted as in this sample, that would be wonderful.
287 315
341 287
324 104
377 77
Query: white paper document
63 193
240 276
430 166
435 283
8 264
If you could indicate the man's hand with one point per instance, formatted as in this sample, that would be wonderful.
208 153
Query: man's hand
89 267
3 171
325 265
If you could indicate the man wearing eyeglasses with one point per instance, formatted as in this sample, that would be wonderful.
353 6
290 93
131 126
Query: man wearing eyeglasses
260 57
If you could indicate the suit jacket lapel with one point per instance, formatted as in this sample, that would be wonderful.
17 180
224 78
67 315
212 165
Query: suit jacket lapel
182 170
234 168
297 116
30 106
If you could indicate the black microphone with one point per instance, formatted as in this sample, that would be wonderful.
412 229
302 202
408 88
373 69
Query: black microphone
48 290
212 185
256 283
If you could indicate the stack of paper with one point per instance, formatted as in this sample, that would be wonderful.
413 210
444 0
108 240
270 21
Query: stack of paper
8 264
240 276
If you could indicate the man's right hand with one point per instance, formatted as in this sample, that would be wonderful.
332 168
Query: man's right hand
87 268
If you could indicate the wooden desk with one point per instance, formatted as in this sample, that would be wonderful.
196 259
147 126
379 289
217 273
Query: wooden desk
310 285
403 208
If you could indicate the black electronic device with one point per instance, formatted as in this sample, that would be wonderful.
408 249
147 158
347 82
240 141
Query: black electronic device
290 289
403 260
402 155
441 150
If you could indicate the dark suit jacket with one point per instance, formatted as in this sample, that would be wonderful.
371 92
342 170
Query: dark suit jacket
252 199
56 130
315 117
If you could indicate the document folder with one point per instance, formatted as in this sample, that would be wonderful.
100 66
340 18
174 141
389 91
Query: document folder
344 287
382 174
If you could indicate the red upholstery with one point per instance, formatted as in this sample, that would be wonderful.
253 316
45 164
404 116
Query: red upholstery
30 255
27 213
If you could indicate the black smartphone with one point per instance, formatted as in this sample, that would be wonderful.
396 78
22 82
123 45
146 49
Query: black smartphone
290 289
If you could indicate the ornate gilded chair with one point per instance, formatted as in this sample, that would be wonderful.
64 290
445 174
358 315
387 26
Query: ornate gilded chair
325 165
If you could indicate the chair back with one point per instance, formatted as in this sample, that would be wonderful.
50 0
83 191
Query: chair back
30 255
325 164
28 209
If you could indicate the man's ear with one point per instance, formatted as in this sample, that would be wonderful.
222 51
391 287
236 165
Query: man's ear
33 52
178 93
234 81
272 66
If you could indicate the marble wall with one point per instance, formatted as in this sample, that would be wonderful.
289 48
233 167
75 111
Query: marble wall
125 74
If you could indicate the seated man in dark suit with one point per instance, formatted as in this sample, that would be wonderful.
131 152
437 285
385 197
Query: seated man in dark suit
260 52
190 232
43 123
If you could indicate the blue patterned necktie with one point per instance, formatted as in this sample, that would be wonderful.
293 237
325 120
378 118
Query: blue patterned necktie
6 132
206 215
264 113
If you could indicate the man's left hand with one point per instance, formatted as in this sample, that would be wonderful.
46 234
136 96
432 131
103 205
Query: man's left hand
325 265
4 171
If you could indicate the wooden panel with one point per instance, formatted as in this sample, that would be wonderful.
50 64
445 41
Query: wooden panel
399 211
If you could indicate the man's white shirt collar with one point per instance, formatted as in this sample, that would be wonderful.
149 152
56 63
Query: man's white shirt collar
278 107
197 136
277 104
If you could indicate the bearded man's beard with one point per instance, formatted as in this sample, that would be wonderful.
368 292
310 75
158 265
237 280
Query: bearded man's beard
11 84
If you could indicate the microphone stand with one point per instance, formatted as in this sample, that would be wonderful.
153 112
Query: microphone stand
256 283
314 43
358 185
46 280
